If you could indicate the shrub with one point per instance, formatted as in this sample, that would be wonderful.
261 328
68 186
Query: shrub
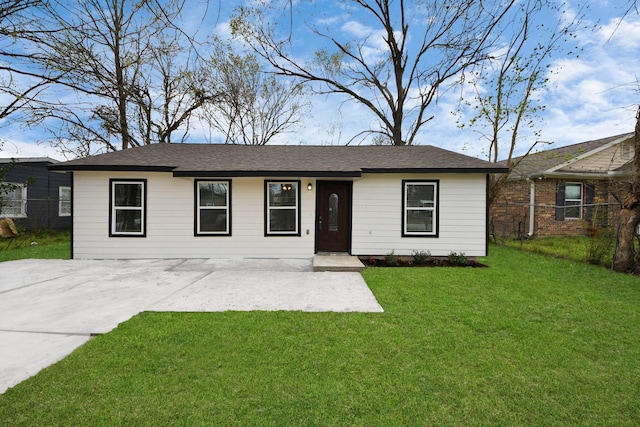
422 257
600 247
391 259
457 258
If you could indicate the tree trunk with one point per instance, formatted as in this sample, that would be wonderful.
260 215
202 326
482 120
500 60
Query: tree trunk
625 257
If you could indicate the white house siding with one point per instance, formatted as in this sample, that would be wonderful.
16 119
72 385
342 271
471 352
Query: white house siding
170 221
377 215
376 222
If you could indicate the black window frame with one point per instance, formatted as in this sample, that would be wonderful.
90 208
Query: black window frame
112 209
267 208
197 208
436 209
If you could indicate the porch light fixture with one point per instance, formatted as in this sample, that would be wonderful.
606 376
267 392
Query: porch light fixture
309 186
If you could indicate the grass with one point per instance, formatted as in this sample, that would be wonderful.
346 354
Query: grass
595 250
43 245
531 340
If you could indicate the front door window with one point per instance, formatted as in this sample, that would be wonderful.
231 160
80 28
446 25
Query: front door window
333 212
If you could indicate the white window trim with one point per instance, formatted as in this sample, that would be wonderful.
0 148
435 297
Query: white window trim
62 202
566 199
406 209
227 231
23 201
142 209
269 208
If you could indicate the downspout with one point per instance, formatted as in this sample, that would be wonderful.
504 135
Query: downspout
532 205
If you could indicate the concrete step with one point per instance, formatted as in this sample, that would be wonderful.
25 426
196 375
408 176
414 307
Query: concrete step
336 262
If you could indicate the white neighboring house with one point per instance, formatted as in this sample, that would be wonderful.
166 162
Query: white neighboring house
207 201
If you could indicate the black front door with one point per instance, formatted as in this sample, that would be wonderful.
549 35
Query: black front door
333 216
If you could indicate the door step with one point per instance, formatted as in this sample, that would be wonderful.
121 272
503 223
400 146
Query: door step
336 262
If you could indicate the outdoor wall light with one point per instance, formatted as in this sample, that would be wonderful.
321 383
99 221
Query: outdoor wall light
309 186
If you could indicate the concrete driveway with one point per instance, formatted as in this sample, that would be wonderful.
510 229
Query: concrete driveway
48 308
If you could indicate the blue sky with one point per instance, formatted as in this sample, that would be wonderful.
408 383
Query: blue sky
592 96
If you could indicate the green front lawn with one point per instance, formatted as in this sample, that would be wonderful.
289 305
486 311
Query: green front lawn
596 250
531 340
42 245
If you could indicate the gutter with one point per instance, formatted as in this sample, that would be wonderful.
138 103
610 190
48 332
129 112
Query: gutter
532 205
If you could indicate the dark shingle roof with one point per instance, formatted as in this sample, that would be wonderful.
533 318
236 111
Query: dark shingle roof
281 160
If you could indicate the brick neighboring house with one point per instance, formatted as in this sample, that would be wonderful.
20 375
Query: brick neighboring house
563 191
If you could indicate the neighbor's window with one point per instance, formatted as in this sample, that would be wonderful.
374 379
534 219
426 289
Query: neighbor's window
282 213
573 201
213 208
128 208
420 208
64 201
13 203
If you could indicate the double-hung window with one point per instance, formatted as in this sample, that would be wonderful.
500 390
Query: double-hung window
13 203
128 216
282 208
64 201
420 208
213 208
573 200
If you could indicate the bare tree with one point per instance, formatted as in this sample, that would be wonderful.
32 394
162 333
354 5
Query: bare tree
396 67
19 83
126 73
252 106
170 95
505 100
626 257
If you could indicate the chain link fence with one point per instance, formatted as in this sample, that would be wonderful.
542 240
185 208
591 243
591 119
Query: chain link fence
35 214
521 220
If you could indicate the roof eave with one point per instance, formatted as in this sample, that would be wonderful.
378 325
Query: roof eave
571 175
266 173
113 168
437 170
585 175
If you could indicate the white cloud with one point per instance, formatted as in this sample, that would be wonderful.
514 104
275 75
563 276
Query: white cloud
624 34
16 148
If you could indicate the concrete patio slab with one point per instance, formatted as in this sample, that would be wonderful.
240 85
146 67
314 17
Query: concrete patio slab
50 307
271 291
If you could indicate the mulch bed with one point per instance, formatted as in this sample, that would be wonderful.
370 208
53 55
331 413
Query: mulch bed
408 262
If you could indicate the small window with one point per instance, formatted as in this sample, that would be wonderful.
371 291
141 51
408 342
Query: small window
128 208
282 213
573 201
333 212
13 201
64 201
420 208
213 208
